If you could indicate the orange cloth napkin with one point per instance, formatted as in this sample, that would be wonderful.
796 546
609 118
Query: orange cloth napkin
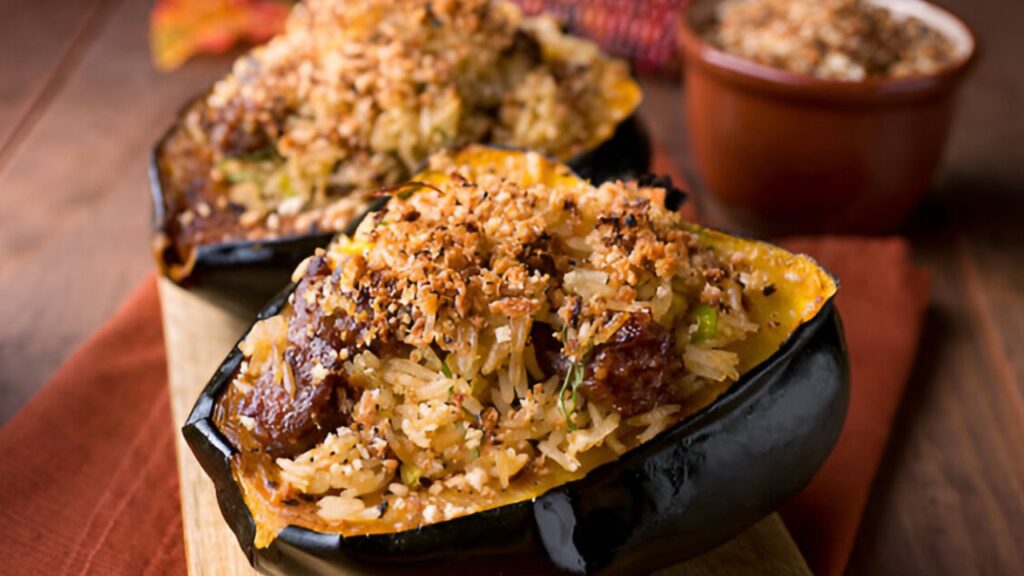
88 482
882 300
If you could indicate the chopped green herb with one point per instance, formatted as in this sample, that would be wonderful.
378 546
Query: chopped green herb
265 153
235 171
707 323
446 370
243 169
411 474
405 191
572 381
479 386
287 190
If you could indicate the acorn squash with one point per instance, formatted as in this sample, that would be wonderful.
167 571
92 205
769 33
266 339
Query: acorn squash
738 448
271 163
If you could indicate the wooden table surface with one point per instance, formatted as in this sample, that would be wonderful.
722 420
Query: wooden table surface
80 106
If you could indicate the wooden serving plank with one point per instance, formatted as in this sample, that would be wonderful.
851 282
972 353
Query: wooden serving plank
199 334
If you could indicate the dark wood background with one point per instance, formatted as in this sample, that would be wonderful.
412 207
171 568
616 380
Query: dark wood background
80 106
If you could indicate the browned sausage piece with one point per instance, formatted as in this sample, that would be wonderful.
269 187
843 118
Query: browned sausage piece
283 424
241 129
633 371
287 425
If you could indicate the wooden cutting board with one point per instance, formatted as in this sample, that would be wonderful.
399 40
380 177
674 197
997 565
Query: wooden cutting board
199 334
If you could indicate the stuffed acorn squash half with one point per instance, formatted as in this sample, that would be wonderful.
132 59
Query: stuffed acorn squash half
508 369
281 154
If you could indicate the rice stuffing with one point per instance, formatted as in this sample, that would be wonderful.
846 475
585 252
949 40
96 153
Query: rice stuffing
477 341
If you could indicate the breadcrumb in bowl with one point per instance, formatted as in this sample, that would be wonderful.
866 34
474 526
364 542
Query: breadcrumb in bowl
833 39
786 143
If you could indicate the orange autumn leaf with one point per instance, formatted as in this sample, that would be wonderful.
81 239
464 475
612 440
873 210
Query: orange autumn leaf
180 29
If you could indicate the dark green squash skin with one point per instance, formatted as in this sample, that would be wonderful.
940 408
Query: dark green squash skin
255 270
694 486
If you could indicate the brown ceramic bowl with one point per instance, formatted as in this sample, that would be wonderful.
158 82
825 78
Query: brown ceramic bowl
782 153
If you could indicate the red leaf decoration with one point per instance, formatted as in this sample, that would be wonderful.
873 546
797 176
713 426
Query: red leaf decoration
180 29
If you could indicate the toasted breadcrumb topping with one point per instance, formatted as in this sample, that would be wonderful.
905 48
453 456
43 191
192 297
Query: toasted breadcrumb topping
477 246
